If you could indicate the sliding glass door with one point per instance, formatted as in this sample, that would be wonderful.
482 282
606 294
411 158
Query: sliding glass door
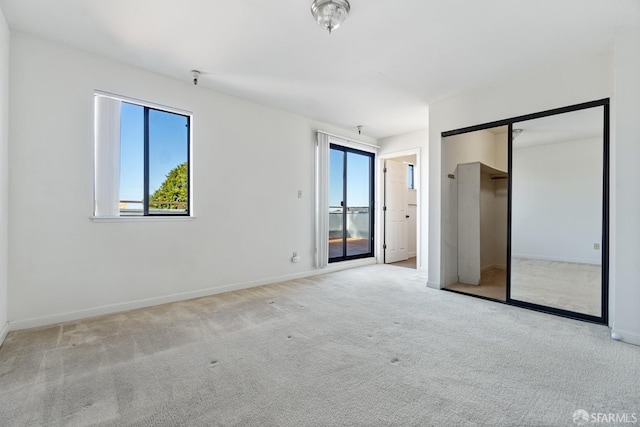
350 203
559 211
548 220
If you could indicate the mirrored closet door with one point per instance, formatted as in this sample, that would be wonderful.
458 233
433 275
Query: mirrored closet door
475 204
557 207
525 205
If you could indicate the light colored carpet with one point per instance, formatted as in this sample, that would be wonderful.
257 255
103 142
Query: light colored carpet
566 285
365 347
569 286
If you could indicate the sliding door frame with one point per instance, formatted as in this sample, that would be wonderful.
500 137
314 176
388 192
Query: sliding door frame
371 156
604 281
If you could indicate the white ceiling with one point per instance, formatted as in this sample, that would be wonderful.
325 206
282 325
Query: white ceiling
381 69
571 126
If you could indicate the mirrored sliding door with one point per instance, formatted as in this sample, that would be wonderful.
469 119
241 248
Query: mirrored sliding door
552 184
475 206
558 212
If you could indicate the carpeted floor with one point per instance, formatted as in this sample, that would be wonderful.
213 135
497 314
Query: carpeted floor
566 285
365 347
569 286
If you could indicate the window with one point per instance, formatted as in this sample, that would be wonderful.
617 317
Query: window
142 160
410 177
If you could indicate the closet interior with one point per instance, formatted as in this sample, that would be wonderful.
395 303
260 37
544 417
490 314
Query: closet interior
477 208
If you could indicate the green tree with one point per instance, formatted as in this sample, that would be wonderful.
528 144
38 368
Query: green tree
174 189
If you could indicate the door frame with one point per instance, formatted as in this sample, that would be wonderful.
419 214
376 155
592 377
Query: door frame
605 242
372 189
417 178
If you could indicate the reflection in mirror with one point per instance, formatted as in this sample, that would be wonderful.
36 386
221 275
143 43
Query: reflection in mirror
556 217
475 212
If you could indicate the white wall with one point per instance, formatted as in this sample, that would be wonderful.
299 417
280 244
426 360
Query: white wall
480 146
557 201
405 141
501 151
249 162
575 81
400 144
625 227
4 174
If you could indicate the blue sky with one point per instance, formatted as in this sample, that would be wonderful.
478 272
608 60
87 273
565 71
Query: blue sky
357 178
167 148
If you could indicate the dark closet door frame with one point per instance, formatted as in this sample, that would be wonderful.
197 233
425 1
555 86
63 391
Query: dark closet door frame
604 281
371 157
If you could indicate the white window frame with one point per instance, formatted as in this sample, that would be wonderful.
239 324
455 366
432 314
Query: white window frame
323 142
107 150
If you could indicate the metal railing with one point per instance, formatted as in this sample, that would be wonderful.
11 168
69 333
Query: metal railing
358 222
124 204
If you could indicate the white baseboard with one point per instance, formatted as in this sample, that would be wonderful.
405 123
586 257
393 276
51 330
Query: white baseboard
182 296
627 337
3 332
344 265
412 254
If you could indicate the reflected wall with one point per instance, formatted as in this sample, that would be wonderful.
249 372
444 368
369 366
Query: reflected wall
556 216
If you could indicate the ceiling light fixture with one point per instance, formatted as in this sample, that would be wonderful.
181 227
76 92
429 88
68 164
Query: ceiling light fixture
515 133
330 14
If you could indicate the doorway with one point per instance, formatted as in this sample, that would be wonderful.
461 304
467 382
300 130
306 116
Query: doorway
351 191
400 210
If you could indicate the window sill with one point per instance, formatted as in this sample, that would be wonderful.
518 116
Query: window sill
141 218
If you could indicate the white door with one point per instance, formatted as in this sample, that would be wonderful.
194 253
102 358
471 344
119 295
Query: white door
395 211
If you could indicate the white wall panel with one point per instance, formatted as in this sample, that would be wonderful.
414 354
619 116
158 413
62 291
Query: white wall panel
4 173
249 162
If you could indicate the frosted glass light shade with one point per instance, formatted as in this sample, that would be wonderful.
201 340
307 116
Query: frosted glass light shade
330 14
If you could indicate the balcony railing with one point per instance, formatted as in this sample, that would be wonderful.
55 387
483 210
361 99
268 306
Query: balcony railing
137 208
358 222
